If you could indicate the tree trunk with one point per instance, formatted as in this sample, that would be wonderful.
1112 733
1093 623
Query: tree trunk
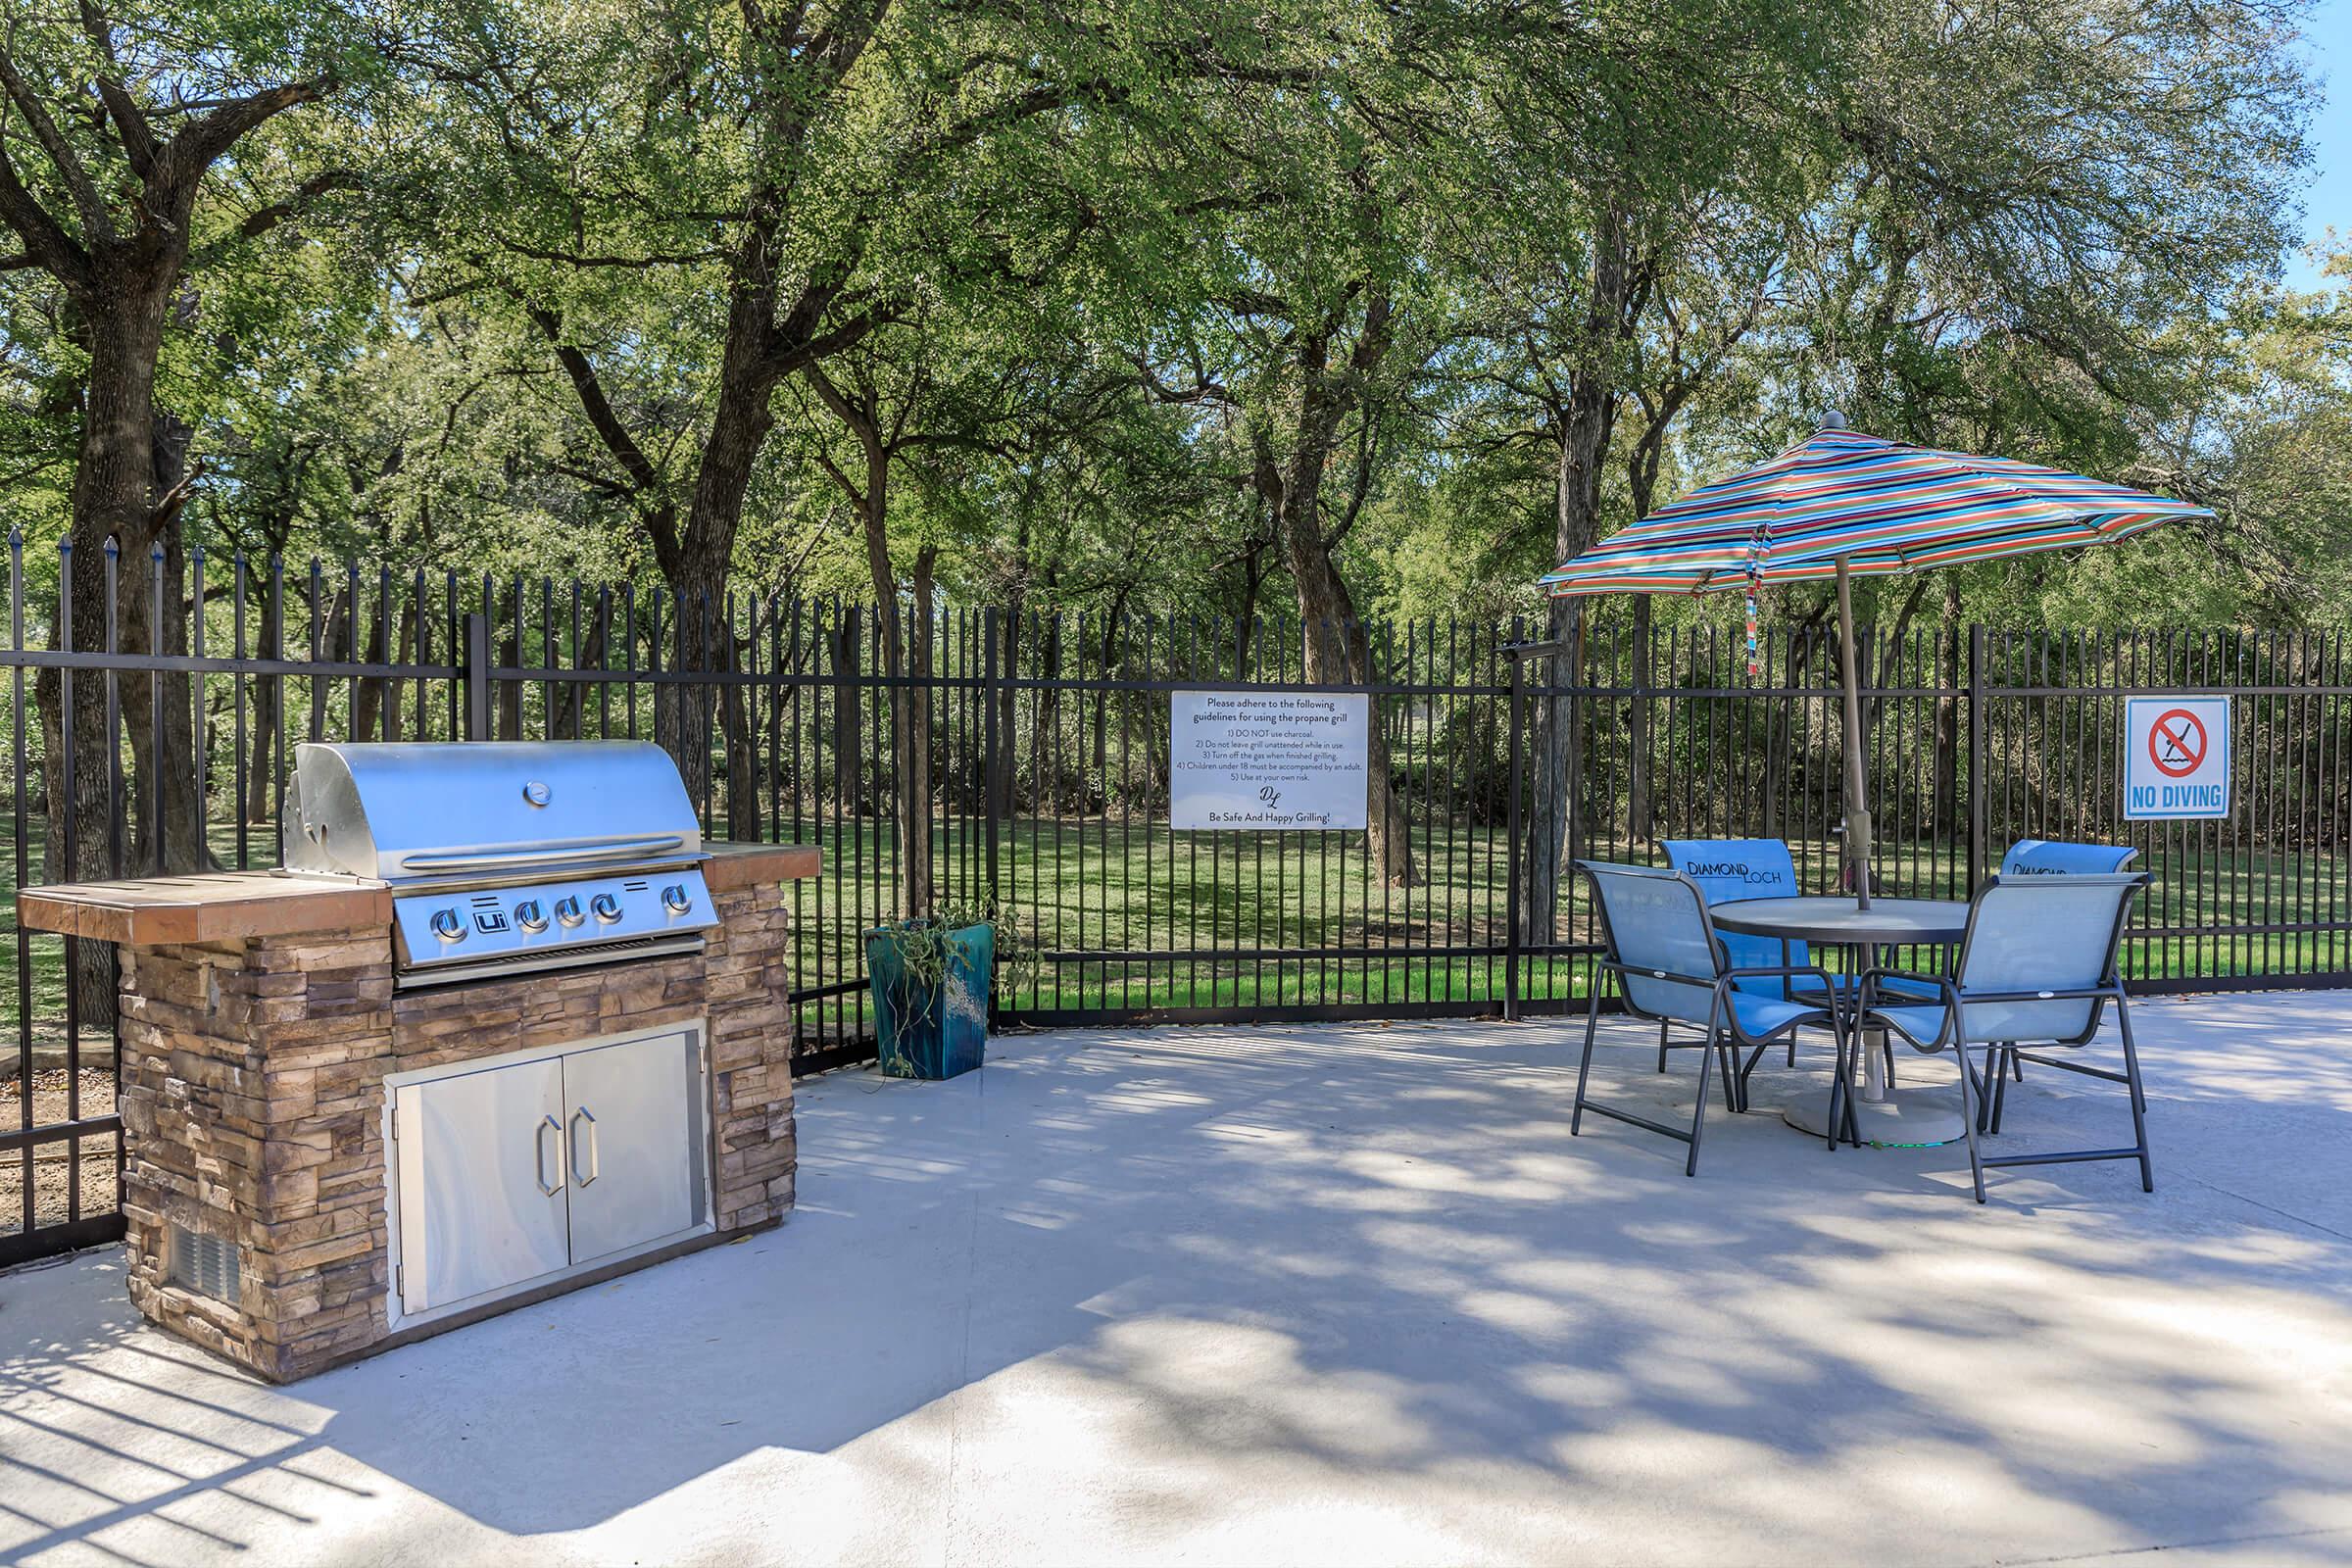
368 707
1113 648
405 653
744 806
268 701
1552 765
909 717
849 766
508 722
1947 718
1583 434
1254 576
700 647
1009 653
696 562
916 801
112 486
1332 649
566 722
1555 745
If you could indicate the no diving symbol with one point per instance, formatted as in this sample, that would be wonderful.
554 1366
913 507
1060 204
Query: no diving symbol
2177 743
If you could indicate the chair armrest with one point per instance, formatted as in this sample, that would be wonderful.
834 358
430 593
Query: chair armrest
1646 972
2088 994
1866 983
1780 971
1866 1004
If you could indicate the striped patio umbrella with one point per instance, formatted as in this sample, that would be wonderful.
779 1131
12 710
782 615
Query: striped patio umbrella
1843 504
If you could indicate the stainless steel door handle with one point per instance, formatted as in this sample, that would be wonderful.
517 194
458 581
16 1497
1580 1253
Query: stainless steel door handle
547 1124
583 1115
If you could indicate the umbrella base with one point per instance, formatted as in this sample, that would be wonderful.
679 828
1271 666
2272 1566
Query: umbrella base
1912 1118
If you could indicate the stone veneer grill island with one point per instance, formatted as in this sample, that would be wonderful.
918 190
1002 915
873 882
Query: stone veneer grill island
259 1022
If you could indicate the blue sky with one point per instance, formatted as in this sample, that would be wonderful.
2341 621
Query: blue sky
2328 197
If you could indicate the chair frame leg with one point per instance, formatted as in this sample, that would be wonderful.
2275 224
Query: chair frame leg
1583 1071
2140 1098
2130 1078
1842 1087
1968 1118
1698 1113
1746 1097
1661 1044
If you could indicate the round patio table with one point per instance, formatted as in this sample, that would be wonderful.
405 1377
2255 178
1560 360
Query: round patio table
1885 1116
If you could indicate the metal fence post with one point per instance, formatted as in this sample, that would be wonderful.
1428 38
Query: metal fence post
476 676
1510 957
1637 804
1977 771
991 738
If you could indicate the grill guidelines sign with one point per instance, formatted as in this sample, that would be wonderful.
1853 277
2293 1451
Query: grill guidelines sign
2176 756
1264 760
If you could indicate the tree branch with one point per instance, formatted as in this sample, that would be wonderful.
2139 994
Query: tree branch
47 243
643 476
263 219
631 263
131 122
804 352
197 148
97 224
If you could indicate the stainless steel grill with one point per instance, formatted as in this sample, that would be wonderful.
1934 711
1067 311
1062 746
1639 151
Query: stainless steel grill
506 857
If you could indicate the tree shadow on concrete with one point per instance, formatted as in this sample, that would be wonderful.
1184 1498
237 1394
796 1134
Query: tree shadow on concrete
1227 1286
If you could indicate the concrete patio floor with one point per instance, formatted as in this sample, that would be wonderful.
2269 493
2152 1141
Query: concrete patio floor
1343 1294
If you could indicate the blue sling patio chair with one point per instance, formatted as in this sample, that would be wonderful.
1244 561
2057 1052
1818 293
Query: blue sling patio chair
1669 964
2038 962
2058 857
1729 870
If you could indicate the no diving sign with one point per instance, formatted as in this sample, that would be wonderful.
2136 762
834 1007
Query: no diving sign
2176 756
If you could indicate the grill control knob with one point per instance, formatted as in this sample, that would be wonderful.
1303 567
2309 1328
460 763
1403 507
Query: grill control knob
530 916
607 908
448 926
567 910
675 899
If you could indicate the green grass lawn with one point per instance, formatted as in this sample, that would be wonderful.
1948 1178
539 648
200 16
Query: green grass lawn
1094 886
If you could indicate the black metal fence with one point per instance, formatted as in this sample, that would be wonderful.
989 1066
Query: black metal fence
1043 771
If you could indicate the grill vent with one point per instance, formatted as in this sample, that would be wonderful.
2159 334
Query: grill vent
206 1265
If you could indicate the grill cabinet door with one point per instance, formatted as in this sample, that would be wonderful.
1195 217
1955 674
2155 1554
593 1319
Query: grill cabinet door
634 1118
478 1155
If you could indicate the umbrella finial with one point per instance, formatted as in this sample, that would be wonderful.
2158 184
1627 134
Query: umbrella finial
1832 419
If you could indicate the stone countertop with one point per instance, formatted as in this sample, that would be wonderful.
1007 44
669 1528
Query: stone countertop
225 905
203 906
739 865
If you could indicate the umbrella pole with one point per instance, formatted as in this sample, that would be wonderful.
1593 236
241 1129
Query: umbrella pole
1857 809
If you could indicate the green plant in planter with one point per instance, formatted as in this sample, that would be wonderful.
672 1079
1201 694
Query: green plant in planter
932 978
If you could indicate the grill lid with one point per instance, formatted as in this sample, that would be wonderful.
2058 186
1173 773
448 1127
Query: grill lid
404 811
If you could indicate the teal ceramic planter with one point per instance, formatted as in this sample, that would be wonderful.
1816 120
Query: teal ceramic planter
932 1030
